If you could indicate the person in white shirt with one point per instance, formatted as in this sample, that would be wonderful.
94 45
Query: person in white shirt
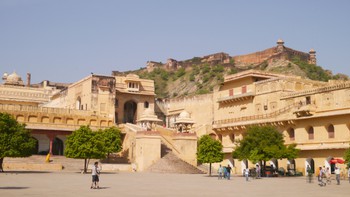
220 171
337 175
246 173
95 172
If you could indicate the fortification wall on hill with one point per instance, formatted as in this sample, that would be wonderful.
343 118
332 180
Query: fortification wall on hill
257 57
269 55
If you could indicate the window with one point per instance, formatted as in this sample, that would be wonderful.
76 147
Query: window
310 133
244 89
230 92
232 137
308 100
265 107
220 137
291 134
330 131
146 104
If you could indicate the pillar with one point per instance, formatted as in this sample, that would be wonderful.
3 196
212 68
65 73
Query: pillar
148 149
187 143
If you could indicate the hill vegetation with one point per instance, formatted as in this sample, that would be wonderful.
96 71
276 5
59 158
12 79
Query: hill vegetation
199 77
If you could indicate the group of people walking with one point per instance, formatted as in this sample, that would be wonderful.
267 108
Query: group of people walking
224 172
324 175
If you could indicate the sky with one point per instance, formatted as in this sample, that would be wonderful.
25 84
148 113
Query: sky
66 40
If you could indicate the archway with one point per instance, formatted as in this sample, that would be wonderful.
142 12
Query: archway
329 164
274 163
244 165
57 147
212 135
291 167
78 103
310 162
130 112
36 148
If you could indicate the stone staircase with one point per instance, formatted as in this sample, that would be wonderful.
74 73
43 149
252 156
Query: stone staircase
170 163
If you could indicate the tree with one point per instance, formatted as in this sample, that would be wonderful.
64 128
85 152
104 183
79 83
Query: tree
263 144
15 140
113 142
85 144
347 157
209 151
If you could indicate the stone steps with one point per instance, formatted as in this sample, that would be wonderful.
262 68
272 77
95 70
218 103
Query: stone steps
170 163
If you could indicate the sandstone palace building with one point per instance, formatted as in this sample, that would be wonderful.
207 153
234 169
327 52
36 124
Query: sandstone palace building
312 114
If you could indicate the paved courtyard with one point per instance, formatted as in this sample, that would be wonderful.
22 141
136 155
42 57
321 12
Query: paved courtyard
152 184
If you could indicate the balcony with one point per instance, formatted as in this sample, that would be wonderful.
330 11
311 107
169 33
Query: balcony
305 110
235 98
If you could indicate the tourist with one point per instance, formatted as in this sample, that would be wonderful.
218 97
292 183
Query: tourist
95 172
257 171
328 176
225 172
228 169
321 176
309 173
246 174
220 171
337 175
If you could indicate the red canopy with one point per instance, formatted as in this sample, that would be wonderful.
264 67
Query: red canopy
333 161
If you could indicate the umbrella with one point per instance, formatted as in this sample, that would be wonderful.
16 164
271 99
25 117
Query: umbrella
333 161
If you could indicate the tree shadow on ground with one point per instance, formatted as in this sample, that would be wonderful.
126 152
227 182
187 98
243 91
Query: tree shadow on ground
25 172
10 187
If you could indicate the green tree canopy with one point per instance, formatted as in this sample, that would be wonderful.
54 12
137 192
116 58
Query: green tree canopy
15 140
113 142
85 144
209 151
263 144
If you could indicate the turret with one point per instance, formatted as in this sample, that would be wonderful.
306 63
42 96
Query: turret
312 57
280 45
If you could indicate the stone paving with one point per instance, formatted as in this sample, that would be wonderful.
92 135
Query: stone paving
153 184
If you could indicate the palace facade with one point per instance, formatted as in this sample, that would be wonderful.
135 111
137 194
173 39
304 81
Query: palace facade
312 114
53 110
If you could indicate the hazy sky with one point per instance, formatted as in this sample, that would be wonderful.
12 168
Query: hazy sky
66 40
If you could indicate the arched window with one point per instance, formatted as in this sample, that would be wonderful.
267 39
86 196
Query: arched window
330 130
146 104
220 137
78 103
310 133
232 138
291 134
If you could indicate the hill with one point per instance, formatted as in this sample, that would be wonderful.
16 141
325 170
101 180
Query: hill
200 75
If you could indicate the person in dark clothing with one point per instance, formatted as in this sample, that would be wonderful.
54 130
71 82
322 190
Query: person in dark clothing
228 169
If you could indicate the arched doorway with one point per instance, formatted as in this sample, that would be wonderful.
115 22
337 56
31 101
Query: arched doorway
212 135
130 112
244 165
291 166
274 163
330 165
36 148
78 103
57 147
310 162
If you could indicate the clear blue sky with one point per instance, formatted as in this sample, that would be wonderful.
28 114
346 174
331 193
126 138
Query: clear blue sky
65 40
